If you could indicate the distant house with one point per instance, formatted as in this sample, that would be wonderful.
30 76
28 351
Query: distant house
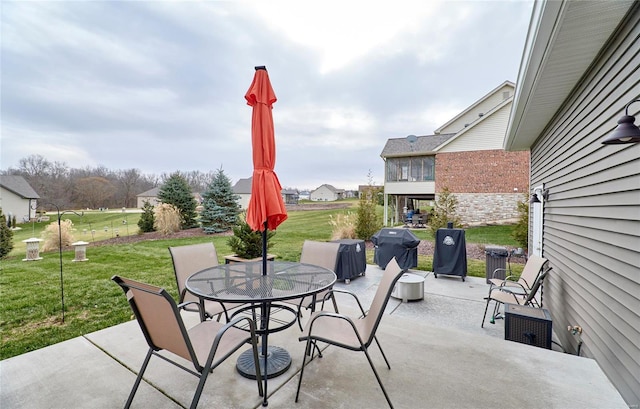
350 194
304 195
290 196
464 155
581 68
242 188
17 198
150 196
326 193
365 188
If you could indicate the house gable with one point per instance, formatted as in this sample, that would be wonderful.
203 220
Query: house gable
485 134
19 186
478 109
17 198
243 186
326 193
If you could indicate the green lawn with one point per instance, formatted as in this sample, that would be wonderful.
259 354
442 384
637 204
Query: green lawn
89 226
31 316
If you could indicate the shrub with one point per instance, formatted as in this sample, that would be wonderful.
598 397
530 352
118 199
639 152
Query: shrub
444 211
53 236
247 243
6 237
176 191
367 220
220 205
521 229
167 219
343 226
147 218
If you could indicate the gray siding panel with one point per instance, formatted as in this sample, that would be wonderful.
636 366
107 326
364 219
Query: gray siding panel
592 218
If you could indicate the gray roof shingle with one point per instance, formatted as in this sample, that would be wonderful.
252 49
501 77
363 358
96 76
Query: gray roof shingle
243 186
19 186
422 145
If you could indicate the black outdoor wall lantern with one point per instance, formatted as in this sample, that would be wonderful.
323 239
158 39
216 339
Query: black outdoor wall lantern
626 131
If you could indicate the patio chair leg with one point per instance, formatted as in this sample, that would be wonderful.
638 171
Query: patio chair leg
378 378
203 379
381 351
496 314
304 360
256 363
335 304
299 317
485 312
310 352
138 379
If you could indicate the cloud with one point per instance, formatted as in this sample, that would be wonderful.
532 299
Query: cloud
159 86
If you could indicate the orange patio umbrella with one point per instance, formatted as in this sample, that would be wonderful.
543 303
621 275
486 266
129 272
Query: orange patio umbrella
266 208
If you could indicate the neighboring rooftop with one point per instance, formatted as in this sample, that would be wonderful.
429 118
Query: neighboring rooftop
19 186
422 145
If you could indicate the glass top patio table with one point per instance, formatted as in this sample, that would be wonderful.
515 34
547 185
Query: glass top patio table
245 283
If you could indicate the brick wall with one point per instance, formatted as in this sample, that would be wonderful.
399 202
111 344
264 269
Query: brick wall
493 171
487 184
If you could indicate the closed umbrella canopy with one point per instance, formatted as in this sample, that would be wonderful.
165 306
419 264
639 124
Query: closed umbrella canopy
266 204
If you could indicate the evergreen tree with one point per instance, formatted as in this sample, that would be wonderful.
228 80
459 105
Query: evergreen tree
367 220
6 237
247 243
176 191
147 218
444 211
220 204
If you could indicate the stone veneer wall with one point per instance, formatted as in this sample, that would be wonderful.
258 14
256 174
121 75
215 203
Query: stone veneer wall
487 208
488 184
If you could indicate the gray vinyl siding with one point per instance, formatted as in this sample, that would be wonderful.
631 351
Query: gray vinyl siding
486 135
591 229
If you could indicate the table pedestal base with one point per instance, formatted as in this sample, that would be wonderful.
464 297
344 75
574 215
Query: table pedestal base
278 362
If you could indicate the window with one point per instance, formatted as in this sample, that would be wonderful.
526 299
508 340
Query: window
416 169
404 169
392 170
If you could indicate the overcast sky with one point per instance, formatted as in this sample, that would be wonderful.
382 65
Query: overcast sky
159 86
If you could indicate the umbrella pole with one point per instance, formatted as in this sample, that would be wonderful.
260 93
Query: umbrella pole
264 249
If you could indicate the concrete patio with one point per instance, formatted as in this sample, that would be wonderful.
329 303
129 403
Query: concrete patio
439 356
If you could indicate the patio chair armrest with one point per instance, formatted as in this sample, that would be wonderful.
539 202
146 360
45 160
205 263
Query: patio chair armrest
337 290
182 294
493 275
235 321
182 305
513 284
224 329
327 314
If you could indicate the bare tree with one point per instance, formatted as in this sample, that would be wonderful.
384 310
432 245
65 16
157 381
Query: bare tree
127 182
94 191
91 187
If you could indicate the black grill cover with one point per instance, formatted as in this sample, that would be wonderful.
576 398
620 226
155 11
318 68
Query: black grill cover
352 259
399 243
450 254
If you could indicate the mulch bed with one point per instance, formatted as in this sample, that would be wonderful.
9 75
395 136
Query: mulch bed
474 251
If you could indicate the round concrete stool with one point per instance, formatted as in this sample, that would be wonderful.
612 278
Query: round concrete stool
409 287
